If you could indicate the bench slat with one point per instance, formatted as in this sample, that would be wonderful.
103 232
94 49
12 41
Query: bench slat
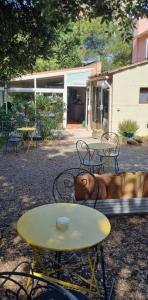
121 206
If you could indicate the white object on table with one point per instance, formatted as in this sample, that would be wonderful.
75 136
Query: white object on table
62 223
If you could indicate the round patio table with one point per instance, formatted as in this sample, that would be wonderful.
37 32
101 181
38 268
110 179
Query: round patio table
101 146
26 129
29 131
86 229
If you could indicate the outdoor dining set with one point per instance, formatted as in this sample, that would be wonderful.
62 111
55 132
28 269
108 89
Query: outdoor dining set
66 236
96 155
15 136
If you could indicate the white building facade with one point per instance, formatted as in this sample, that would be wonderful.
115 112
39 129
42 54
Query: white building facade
118 95
70 84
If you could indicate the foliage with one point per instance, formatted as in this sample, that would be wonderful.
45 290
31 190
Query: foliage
128 126
29 29
2 141
46 64
94 36
123 12
23 109
65 52
49 114
105 40
42 104
7 123
5 117
86 39
117 53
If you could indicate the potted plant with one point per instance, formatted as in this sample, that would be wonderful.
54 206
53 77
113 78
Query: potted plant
95 133
128 128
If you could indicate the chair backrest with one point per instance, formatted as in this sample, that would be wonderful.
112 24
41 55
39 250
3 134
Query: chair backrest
13 285
75 184
83 151
110 137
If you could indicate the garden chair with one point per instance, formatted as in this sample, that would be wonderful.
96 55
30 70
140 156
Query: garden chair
87 158
75 184
66 189
19 285
113 153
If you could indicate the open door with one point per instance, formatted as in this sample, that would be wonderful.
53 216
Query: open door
76 106
100 108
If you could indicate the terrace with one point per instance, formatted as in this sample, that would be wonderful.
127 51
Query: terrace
26 181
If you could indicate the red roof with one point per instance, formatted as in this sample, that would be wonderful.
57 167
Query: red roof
91 66
111 72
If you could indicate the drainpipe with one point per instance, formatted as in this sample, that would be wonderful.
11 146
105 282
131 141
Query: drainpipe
86 107
35 100
5 97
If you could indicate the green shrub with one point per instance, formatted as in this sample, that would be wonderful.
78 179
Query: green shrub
23 109
49 114
128 126
5 118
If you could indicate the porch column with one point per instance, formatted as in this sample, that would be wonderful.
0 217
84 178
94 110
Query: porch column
88 93
101 108
5 97
65 101
35 98
110 108
86 107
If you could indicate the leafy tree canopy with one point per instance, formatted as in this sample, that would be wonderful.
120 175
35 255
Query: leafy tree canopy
104 40
88 40
29 28
65 51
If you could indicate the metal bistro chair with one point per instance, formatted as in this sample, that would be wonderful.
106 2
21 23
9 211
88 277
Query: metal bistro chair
74 185
87 158
113 153
65 185
19 285
64 191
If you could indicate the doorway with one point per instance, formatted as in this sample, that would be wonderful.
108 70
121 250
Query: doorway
105 110
100 108
76 106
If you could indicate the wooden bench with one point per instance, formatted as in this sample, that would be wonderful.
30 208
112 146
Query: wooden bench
126 193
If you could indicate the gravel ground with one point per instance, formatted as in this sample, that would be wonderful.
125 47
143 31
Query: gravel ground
26 181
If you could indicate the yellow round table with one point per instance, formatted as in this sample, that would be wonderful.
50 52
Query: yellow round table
87 227
29 131
26 129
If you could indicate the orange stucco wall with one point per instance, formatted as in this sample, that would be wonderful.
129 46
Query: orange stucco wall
139 41
141 26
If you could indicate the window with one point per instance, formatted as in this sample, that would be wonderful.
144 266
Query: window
143 96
